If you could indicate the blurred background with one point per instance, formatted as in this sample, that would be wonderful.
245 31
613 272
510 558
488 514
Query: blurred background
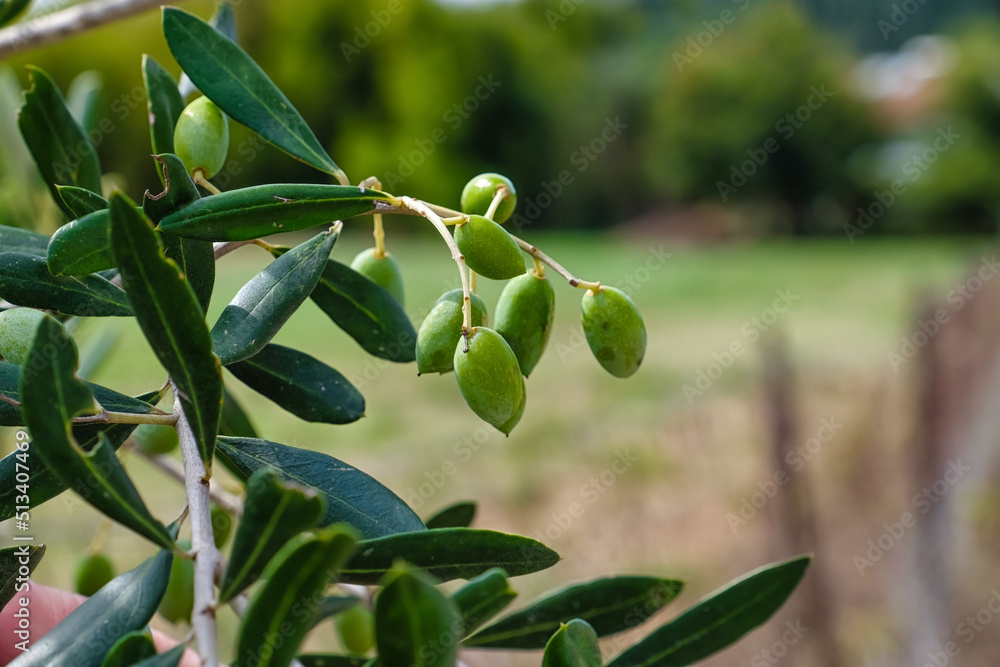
801 197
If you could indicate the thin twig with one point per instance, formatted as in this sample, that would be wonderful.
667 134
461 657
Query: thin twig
223 248
105 417
556 266
196 483
35 32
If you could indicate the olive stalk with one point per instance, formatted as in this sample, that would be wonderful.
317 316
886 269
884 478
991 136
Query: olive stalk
106 417
540 256
199 178
502 193
423 209
197 486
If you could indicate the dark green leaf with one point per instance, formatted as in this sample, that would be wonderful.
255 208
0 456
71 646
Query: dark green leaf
719 620
275 512
229 77
573 645
449 553
178 189
249 213
164 103
15 239
124 605
281 611
81 247
130 649
12 559
222 20
415 624
367 312
61 150
235 421
482 598
171 318
333 605
351 496
301 384
10 9
336 661
25 281
171 658
43 483
52 396
610 605
81 201
458 515
264 304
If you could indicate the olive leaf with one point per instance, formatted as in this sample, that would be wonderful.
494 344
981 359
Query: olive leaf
458 515
81 201
164 103
414 622
16 565
130 649
482 597
81 247
10 9
15 239
573 645
25 280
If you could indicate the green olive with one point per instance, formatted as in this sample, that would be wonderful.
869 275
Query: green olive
477 195
441 330
488 249
524 317
509 425
488 376
222 525
154 439
92 573
178 600
615 330
201 137
17 332
382 271
356 627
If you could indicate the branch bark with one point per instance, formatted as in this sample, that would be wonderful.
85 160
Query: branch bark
206 556
58 25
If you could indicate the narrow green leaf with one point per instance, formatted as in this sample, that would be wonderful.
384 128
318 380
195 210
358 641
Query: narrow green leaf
281 611
265 303
457 515
11 9
350 496
449 553
195 258
171 319
124 605
81 247
262 210
12 577
81 201
43 482
171 658
235 420
62 151
15 239
229 77
482 598
301 384
610 605
573 645
223 20
336 661
333 605
366 311
415 624
719 620
52 396
275 512
164 102
130 649
25 281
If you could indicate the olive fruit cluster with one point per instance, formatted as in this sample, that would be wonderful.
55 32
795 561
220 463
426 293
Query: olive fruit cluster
490 364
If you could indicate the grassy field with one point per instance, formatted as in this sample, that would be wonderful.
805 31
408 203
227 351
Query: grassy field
689 457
